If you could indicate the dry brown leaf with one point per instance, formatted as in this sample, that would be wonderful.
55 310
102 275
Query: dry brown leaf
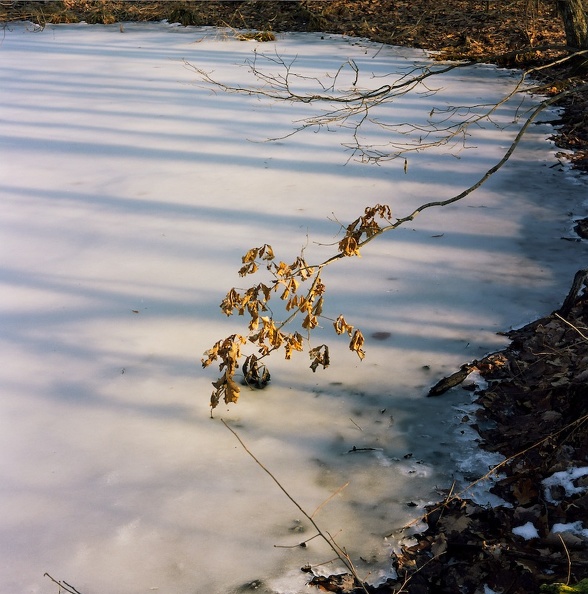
348 246
319 356
342 326
356 343
439 545
525 491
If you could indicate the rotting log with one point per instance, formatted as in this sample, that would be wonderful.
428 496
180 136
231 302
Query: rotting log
453 380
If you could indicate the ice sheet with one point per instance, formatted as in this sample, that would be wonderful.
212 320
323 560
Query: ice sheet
128 194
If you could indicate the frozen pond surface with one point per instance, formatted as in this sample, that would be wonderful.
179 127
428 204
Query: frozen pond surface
127 196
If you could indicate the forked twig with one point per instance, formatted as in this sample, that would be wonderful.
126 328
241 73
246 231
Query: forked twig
63 585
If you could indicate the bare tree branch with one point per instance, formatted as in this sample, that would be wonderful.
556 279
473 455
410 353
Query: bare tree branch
63 585
269 334
352 107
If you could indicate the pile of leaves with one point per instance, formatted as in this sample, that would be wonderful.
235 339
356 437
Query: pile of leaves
472 25
572 134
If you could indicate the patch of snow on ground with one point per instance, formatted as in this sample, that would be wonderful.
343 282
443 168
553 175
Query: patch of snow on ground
564 480
575 528
473 465
526 531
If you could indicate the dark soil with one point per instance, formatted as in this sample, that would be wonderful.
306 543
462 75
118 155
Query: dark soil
536 404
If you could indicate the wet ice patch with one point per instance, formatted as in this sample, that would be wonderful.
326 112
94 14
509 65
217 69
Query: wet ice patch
474 466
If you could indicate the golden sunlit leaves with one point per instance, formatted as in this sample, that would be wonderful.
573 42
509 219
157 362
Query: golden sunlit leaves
293 342
310 322
303 270
341 326
228 351
265 332
364 228
349 246
265 252
356 344
269 337
230 302
250 266
283 270
225 388
291 286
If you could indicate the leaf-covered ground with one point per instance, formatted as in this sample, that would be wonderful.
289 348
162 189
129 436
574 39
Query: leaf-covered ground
535 410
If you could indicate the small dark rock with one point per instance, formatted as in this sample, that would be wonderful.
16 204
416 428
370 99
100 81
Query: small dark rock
581 228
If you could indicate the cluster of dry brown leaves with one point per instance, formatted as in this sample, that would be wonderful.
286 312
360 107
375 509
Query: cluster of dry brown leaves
269 335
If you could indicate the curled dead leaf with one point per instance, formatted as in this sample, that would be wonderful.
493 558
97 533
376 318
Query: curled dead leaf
342 326
349 246
319 356
356 343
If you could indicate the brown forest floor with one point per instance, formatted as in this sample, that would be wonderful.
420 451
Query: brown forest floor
537 399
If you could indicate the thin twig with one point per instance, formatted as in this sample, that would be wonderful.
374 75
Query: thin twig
569 560
300 544
342 556
67 587
571 326
329 499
